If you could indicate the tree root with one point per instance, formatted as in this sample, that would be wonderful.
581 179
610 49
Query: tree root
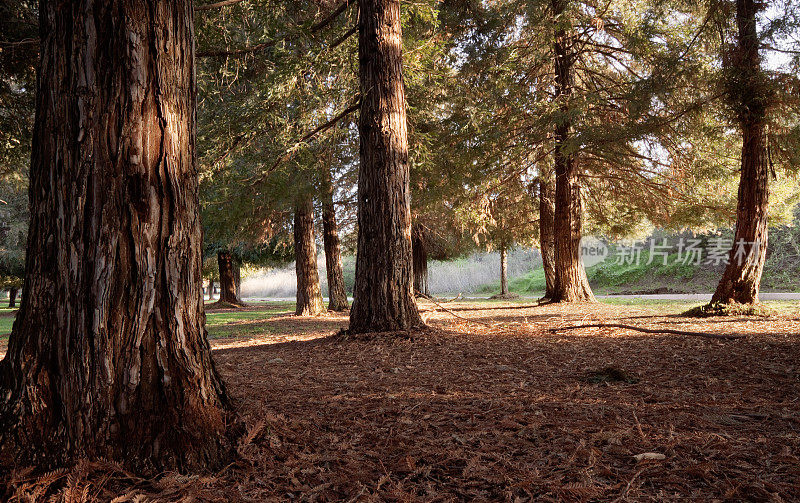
650 331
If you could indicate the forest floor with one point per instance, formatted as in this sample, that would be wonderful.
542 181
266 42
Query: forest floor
496 407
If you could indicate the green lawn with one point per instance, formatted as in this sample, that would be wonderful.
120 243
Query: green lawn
5 325
245 323
219 325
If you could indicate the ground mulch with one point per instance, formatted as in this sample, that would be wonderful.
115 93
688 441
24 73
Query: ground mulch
498 408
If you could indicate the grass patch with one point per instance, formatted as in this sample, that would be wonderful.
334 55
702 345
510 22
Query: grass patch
6 322
237 323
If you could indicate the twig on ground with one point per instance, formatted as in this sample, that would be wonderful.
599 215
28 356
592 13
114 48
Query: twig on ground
431 299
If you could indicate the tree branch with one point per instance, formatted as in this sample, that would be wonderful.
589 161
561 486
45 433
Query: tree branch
238 52
319 129
332 17
216 5
650 331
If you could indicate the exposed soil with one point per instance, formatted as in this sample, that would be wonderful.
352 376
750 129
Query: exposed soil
504 412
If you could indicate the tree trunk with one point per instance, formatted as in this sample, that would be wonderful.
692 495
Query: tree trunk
337 295
309 298
237 279
571 284
109 356
227 278
546 238
12 297
211 289
503 270
742 277
384 290
419 254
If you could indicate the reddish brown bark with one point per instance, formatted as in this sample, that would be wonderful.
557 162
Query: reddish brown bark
383 292
337 295
419 251
546 238
571 284
503 269
309 298
742 277
109 357
227 278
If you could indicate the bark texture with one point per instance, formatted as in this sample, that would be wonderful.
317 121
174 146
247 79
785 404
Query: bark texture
419 251
337 295
571 284
546 237
309 298
109 356
503 270
12 297
742 277
228 278
383 292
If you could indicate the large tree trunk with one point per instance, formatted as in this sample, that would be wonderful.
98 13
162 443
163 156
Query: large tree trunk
109 356
309 298
227 278
503 269
384 299
419 252
742 277
546 237
12 297
571 283
337 295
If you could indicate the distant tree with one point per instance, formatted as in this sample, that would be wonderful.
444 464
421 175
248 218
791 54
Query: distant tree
108 357
309 298
337 295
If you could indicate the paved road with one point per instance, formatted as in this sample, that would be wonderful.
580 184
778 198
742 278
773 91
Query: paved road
699 297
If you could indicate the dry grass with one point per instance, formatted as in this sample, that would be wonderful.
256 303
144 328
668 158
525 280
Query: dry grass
503 412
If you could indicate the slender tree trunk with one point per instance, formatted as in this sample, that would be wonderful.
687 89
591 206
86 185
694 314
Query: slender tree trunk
546 238
211 289
571 283
337 295
309 298
12 297
384 290
420 260
227 278
109 356
237 279
742 277
503 270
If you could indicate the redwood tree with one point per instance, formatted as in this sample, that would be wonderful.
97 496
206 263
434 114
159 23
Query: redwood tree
419 252
546 239
337 295
228 278
383 292
571 284
747 90
309 298
503 269
109 357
